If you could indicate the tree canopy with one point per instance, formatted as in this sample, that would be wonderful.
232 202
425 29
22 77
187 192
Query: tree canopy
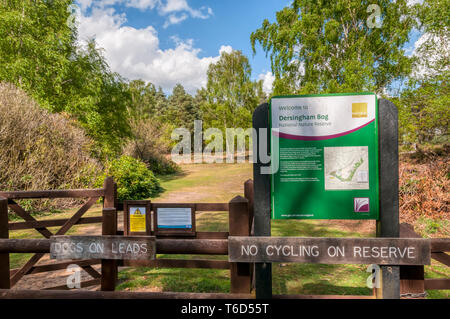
330 46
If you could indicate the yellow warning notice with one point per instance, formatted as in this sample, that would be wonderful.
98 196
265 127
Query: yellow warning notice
137 219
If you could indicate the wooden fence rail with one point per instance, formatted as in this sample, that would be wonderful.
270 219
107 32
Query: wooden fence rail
163 246
412 278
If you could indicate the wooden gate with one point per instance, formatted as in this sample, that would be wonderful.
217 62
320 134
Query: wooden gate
108 193
204 243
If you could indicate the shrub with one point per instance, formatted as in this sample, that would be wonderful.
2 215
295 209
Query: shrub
134 180
40 150
149 144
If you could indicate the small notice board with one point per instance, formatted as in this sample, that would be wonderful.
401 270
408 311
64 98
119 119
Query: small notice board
174 219
137 217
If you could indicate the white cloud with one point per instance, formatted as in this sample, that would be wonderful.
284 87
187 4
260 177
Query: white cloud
225 48
174 19
175 10
136 54
268 79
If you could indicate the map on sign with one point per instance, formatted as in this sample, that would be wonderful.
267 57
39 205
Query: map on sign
346 167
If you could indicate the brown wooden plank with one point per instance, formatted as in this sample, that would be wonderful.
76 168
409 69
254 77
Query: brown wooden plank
26 268
109 227
381 251
70 193
440 244
91 271
437 284
57 266
192 246
212 235
443 258
179 263
211 207
76 217
239 221
411 277
102 247
86 294
200 235
27 217
407 231
52 223
412 280
4 235
83 284
24 245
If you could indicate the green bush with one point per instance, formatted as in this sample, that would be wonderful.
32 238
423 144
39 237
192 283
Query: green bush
134 180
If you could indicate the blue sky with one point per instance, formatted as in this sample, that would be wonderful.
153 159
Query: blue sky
173 41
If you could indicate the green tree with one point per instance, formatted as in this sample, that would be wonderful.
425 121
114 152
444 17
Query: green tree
39 53
329 46
35 46
230 95
424 105
181 110
143 99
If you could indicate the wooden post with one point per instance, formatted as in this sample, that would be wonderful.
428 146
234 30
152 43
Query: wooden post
412 278
109 227
248 194
4 233
262 225
388 223
240 273
109 267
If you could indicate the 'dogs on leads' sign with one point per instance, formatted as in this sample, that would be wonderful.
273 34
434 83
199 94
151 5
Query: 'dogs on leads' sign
103 247
324 152
381 251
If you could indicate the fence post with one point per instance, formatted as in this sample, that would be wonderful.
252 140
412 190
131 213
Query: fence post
4 233
240 273
109 227
412 278
248 194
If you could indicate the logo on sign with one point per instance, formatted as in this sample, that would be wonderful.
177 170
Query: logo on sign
359 110
361 205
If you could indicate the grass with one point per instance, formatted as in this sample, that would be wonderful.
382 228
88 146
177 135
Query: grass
220 183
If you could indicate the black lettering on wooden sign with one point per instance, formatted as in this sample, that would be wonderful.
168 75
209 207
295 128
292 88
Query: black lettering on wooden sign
381 251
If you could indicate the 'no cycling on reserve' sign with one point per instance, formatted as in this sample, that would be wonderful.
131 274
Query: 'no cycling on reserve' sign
324 156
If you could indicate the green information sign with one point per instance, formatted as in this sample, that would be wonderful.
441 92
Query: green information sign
324 156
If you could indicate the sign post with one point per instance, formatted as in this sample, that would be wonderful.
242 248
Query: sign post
261 205
388 223
332 157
